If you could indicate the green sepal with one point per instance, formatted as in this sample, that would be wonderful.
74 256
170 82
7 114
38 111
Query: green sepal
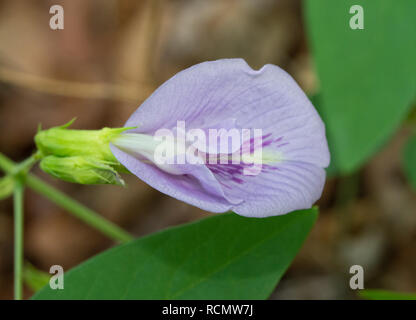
63 142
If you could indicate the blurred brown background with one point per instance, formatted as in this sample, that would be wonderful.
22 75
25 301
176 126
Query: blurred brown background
110 56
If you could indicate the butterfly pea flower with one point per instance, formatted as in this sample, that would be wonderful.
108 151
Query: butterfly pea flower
274 165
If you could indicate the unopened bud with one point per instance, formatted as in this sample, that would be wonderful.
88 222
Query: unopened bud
81 169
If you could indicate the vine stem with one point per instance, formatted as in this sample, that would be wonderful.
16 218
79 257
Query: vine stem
80 211
77 209
18 237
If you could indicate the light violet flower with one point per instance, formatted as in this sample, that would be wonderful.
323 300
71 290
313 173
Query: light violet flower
279 170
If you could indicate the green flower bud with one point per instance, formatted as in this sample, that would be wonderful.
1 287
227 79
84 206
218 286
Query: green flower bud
81 169
63 142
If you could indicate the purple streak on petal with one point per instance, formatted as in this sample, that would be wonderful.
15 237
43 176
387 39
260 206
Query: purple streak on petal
196 186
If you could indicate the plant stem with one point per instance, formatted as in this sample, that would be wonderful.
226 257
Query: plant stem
25 165
18 238
80 211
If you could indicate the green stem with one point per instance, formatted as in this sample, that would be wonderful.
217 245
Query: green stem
18 238
80 211
25 165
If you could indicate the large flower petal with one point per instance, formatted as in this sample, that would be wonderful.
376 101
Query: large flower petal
290 186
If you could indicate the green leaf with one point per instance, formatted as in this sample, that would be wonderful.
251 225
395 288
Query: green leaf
34 278
332 169
221 257
409 161
385 295
367 77
6 186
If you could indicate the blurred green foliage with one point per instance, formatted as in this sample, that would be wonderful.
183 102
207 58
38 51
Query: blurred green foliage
34 278
367 77
409 161
6 186
385 295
